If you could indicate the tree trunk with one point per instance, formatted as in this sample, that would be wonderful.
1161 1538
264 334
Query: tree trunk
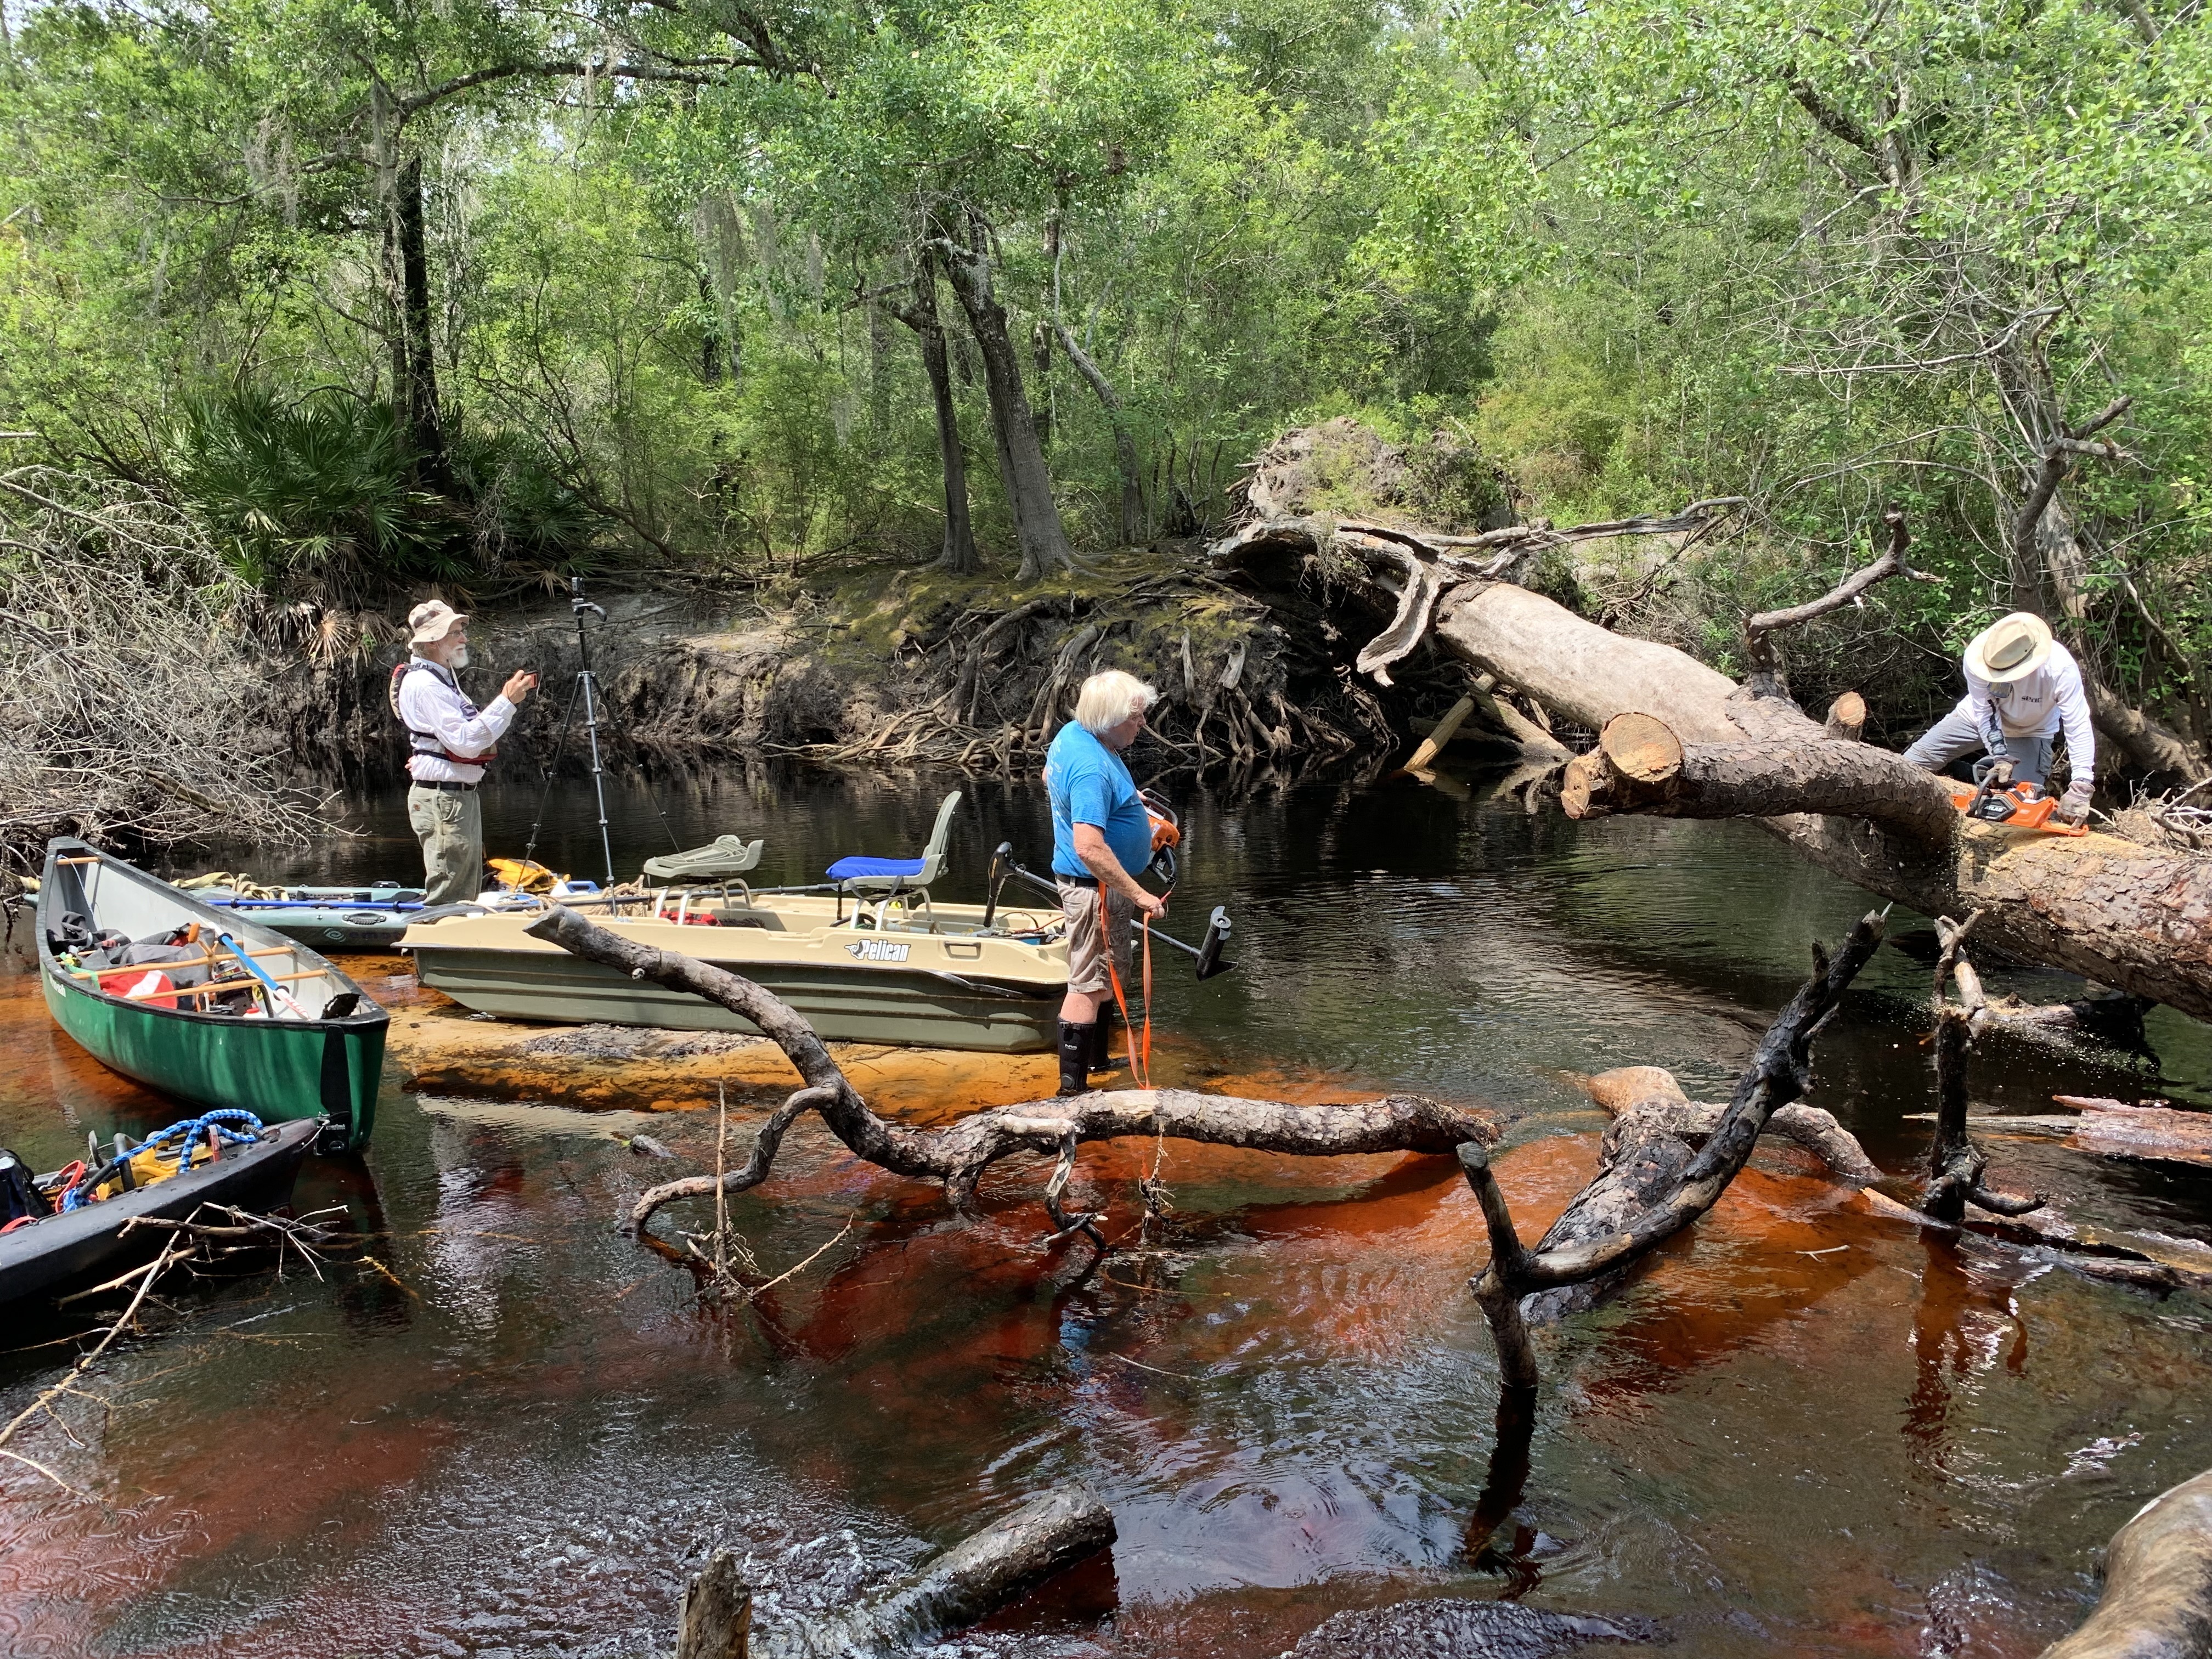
426 432
1125 446
1022 467
2117 913
1041 378
2054 546
710 338
959 554
2124 915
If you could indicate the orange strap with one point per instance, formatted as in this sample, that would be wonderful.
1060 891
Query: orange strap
1140 1057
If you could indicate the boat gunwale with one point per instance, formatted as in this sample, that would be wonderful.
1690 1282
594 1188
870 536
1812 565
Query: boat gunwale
286 1141
367 1017
1033 973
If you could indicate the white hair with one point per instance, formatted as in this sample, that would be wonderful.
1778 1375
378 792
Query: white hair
1108 698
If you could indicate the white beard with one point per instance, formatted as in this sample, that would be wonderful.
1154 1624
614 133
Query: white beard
461 659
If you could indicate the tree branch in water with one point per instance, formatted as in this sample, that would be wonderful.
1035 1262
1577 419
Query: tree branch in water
956 1157
1636 1205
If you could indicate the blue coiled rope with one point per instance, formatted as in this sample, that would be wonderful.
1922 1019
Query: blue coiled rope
190 1130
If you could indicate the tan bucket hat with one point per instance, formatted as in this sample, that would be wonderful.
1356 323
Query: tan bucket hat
431 621
2010 648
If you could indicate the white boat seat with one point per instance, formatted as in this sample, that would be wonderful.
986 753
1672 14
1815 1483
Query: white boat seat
726 856
867 875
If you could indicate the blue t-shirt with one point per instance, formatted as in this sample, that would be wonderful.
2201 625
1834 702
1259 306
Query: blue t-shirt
1089 784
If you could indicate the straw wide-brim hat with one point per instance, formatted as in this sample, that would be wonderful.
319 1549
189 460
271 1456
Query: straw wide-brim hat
430 621
2010 648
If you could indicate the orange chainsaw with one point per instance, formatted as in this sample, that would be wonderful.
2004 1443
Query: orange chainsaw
2021 806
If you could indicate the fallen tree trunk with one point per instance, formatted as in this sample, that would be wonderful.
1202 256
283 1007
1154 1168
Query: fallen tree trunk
2158 1584
958 1156
2133 917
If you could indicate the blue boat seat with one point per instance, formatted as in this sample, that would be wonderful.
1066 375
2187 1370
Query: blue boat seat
847 869
866 875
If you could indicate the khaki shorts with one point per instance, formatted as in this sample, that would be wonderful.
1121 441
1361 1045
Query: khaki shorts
1086 946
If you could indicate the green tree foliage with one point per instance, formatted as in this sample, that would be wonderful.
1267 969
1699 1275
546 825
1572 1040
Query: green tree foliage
653 284
1833 256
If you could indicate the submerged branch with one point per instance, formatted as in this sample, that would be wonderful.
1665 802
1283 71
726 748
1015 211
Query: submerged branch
1663 1187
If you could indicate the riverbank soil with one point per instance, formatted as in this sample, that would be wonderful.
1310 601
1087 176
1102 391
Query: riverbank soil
1800 1429
888 662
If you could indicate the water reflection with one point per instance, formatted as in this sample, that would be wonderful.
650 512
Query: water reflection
517 1432
1965 1324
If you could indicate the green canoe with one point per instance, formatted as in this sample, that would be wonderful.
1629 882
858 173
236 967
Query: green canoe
313 1046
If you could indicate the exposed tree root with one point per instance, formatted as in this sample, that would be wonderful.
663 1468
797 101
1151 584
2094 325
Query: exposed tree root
1029 675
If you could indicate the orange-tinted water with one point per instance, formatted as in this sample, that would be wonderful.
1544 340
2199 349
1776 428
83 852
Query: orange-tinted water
1799 1430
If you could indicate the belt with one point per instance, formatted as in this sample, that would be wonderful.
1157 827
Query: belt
1076 881
440 783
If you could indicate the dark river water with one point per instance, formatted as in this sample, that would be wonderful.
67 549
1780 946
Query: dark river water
1800 1431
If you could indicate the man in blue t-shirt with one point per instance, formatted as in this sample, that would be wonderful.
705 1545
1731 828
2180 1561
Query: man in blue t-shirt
1101 834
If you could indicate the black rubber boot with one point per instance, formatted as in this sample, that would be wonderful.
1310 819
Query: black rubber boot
1075 1042
1101 1041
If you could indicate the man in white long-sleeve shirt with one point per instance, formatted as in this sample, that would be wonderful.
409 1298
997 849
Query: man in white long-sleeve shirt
2023 689
453 741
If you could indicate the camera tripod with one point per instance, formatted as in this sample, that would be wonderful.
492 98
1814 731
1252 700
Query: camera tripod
585 690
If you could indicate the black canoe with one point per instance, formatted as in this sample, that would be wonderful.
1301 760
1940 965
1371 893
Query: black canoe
43 1257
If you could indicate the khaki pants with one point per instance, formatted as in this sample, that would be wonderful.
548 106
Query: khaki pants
1087 941
449 823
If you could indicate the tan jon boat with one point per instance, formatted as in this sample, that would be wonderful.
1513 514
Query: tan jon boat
895 970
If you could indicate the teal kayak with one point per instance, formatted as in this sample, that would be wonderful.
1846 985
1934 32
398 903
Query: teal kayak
330 918
206 1007
370 918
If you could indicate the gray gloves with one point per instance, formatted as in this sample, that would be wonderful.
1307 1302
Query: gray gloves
2073 806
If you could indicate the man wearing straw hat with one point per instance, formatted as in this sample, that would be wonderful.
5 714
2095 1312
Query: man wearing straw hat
2023 689
453 740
